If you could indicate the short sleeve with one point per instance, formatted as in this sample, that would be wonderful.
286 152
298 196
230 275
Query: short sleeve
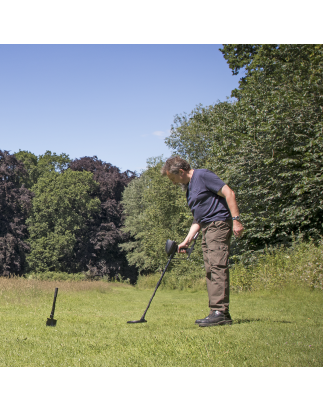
212 181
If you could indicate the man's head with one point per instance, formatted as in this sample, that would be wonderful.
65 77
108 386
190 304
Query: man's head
174 164
177 170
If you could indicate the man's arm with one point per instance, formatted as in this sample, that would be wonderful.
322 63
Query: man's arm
230 198
195 227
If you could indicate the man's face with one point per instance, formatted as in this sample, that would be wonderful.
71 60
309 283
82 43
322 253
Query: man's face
175 178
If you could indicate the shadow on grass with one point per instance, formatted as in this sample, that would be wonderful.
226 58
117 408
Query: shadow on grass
251 320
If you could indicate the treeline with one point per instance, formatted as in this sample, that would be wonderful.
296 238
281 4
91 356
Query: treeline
62 215
266 143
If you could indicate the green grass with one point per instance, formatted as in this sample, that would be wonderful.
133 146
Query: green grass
272 328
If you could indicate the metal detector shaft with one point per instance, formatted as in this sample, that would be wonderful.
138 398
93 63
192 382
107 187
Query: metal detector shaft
159 281
171 249
142 319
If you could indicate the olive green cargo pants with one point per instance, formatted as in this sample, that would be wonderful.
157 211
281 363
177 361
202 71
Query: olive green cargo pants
216 238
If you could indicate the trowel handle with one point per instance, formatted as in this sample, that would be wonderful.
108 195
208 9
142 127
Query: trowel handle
53 308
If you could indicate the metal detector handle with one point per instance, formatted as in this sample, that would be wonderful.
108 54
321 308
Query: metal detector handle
53 308
189 250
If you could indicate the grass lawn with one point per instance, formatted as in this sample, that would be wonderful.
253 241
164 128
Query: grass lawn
281 328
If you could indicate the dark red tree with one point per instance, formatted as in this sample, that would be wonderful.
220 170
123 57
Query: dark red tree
98 248
15 203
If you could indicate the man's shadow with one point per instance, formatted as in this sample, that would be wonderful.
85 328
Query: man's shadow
251 320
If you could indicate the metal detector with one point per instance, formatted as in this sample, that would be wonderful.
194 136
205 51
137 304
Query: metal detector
171 249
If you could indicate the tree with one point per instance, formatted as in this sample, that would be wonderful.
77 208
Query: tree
208 133
103 253
280 165
15 204
63 208
155 210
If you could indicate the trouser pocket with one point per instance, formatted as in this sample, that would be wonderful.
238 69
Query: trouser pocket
218 254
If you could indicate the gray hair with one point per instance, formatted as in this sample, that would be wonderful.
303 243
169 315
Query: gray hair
174 164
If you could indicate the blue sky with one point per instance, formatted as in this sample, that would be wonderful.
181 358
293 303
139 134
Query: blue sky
113 101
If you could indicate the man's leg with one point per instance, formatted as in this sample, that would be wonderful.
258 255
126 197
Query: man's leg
216 248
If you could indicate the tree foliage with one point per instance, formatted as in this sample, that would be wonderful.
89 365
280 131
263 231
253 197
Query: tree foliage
37 166
206 132
15 203
244 56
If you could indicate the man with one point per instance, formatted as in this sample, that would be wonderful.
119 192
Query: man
216 214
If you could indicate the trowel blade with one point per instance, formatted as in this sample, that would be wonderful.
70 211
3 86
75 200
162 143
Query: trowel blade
51 322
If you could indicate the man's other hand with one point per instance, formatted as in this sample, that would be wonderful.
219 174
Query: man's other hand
237 228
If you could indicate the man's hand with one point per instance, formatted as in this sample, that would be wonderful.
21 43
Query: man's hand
183 246
237 228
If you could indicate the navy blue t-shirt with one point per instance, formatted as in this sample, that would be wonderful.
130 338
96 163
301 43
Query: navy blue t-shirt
203 200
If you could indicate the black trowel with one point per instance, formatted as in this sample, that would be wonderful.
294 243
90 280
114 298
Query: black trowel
50 321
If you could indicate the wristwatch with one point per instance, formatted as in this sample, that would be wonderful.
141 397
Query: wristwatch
236 218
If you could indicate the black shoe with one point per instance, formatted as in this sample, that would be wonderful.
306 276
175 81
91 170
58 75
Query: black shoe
201 320
216 318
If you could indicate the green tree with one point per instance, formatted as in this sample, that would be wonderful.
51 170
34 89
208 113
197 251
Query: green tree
208 137
155 210
280 165
63 207
38 166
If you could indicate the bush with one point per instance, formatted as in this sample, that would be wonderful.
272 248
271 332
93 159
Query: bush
183 275
300 265
56 276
